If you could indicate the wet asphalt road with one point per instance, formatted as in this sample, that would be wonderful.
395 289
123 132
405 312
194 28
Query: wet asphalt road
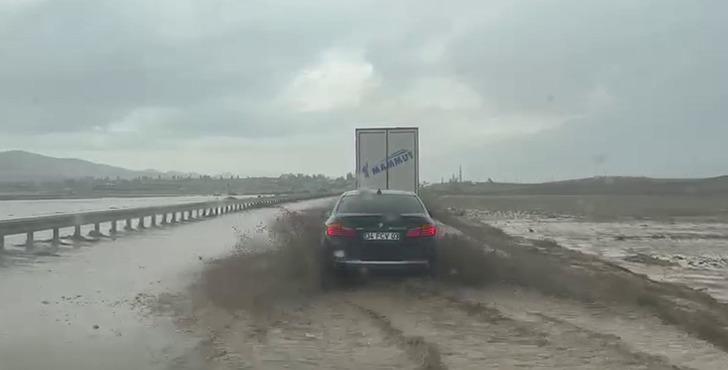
80 309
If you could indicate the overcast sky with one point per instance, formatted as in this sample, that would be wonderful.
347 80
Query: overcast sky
514 90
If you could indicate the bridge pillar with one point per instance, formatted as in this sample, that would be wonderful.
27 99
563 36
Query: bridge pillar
56 236
2 242
140 225
112 231
174 218
97 230
128 225
153 222
77 232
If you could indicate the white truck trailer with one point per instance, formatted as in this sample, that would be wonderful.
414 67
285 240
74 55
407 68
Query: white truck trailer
387 158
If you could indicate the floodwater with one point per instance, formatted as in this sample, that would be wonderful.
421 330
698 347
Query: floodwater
689 252
10 209
83 308
177 297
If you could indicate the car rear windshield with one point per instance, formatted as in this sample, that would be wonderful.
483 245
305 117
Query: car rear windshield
380 204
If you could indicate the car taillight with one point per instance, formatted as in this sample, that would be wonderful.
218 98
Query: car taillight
340 231
424 231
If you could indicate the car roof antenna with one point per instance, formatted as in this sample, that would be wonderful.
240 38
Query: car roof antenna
379 191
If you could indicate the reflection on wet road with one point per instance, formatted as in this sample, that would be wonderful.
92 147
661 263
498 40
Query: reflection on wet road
80 309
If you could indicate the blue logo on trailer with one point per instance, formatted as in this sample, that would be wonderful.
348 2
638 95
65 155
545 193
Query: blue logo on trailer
393 160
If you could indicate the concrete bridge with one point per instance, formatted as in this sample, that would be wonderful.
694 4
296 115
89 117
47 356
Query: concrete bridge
126 218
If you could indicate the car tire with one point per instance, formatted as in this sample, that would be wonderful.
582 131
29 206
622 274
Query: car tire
432 268
329 278
326 278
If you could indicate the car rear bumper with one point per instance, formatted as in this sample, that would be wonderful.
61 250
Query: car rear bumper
357 252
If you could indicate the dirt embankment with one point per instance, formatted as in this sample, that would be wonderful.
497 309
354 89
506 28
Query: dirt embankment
498 302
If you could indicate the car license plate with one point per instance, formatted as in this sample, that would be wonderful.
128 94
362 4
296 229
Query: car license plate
381 236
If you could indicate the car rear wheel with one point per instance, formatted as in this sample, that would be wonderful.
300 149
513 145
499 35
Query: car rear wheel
432 268
330 277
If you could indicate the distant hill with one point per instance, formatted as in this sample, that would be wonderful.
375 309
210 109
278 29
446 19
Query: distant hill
594 186
18 165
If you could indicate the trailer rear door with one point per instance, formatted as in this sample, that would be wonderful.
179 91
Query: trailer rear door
387 158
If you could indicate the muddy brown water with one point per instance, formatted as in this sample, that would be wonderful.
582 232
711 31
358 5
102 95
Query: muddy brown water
418 324
274 316
85 307
210 296
684 251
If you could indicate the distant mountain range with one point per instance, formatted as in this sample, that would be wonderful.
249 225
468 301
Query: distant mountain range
21 166
18 165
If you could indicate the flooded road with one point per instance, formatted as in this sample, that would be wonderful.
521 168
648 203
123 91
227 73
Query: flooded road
193 296
83 308
690 252
492 305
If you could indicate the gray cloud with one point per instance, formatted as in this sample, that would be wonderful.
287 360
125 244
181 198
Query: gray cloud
516 90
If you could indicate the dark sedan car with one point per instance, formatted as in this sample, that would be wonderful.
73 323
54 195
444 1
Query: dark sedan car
371 230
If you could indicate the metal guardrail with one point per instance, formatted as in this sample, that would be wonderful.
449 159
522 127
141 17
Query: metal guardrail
188 211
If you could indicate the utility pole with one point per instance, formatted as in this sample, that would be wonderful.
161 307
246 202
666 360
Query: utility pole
460 173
